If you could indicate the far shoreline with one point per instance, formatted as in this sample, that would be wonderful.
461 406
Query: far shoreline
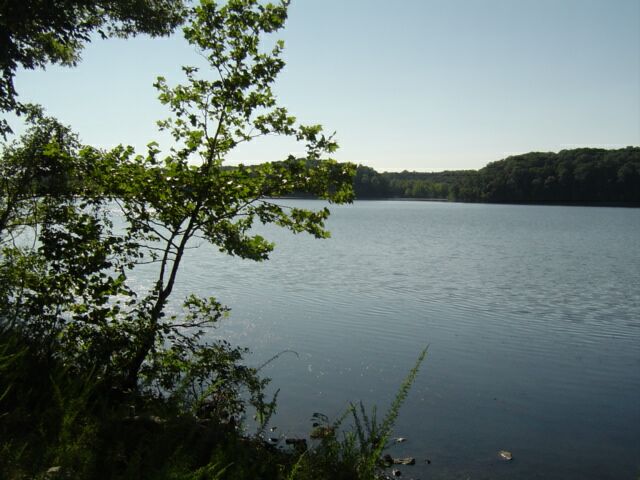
445 200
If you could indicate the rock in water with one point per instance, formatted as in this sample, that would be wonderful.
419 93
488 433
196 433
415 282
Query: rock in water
505 455
404 461
298 443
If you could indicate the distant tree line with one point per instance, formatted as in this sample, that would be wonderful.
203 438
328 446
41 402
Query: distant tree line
583 175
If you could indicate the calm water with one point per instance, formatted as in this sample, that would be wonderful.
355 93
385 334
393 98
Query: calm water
531 315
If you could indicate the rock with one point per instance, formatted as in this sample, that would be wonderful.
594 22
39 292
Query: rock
505 455
404 461
53 472
295 441
298 443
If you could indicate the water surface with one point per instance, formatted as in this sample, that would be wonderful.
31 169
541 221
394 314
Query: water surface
531 315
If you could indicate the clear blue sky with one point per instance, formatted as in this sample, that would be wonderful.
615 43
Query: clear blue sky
412 84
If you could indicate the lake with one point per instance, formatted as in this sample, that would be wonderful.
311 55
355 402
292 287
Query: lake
531 315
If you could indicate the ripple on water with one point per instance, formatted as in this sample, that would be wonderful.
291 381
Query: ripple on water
531 314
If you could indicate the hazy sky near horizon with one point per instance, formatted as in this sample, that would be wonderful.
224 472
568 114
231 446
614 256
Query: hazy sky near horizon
414 84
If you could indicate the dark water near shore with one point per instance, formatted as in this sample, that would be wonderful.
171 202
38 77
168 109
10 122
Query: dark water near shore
531 314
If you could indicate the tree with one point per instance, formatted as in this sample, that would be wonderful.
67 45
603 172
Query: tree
34 33
201 198
72 291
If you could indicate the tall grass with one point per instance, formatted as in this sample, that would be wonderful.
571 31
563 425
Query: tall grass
61 424
353 452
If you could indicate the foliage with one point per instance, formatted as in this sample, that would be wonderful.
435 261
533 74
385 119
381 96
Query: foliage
52 418
189 195
355 452
71 286
573 176
585 175
34 33
96 377
71 423
437 185
38 166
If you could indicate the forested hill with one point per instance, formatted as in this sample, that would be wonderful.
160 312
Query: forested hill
583 175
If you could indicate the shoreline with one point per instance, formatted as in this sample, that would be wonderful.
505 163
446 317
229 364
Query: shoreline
445 200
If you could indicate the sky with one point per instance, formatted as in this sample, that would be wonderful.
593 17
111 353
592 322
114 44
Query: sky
424 85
